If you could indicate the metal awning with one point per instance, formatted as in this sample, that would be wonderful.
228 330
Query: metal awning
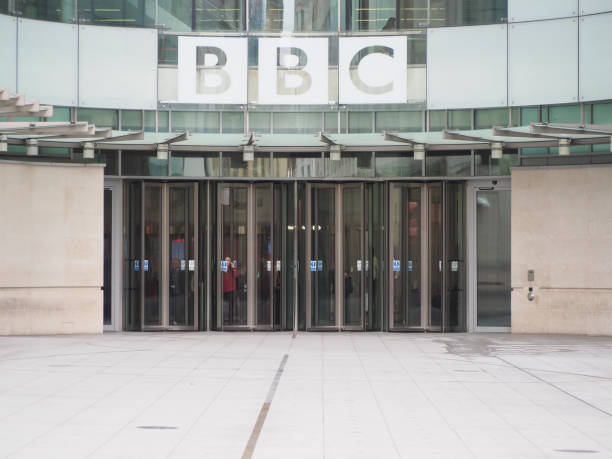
536 135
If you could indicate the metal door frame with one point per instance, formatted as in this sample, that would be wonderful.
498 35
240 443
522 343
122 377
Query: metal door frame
116 256
472 250
165 252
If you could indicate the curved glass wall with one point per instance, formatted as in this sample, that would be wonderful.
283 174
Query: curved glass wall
265 15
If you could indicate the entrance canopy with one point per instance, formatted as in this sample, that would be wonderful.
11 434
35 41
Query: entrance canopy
536 135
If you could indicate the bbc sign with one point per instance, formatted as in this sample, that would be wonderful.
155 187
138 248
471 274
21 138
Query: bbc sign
292 71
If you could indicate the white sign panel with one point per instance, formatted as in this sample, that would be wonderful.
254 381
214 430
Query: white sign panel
293 71
212 70
372 70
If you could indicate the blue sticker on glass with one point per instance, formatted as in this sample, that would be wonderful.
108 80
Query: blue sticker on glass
320 265
145 265
224 266
409 265
313 265
396 265
136 265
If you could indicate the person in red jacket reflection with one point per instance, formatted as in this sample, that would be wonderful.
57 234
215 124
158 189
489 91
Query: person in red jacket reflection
229 289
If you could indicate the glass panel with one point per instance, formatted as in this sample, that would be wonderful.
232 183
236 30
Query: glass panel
331 122
143 163
460 119
530 115
436 262
487 118
350 165
149 119
406 256
398 165
417 50
59 114
99 116
163 119
132 237
485 165
295 123
176 15
493 258
293 15
455 308
467 12
353 260
360 122
233 165
110 157
194 165
564 114
445 165
108 256
259 122
399 121
263 258
298 165
372 15
117 12
218 15
167 49
602 114
207 122
181 240
323 253
234 253
283 227
151 263
131 119
232 122
437 120
48 10
413 14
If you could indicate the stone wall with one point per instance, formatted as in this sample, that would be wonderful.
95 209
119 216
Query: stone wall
562 229
51 242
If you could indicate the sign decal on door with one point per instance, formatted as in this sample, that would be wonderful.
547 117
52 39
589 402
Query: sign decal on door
224 266
313 265
145 265
320 265
409 265
136 265
396 265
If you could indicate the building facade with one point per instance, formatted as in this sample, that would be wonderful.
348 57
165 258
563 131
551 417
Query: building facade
333 165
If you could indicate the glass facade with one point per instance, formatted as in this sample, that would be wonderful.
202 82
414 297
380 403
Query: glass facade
265 15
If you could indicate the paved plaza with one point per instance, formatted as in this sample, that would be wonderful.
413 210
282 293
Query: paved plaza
332 395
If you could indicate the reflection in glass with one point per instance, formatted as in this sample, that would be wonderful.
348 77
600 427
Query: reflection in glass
350 165
151 264
194 165
323 252
440 164
455 308
143 163
234 252
263 258
372 14
181 249
493 258
233 165
117 12
486 165
406 254
132 237
217 15
436 262
398 165
293 15
48 10
353 262
298 165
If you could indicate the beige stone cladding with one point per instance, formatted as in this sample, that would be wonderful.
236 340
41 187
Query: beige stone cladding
562 229
51 243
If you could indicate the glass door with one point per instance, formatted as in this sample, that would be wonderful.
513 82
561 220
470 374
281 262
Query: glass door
182 247
405 247
233 252
168 265
321 257
336 261
491 249
151 262
435 235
